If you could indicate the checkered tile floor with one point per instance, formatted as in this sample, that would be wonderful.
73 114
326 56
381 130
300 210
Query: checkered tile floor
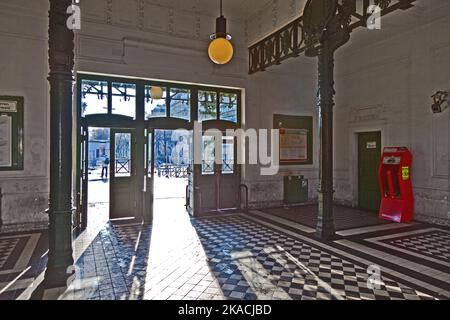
227 257
435 244
251 261
6 248
234 257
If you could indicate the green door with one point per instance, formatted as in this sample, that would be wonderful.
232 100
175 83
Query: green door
123 174
369 154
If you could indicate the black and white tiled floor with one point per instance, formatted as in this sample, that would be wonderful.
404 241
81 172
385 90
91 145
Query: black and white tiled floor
263 263
433 243
6 249
20 260
250 256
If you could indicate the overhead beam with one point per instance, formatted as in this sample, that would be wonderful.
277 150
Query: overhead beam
289 41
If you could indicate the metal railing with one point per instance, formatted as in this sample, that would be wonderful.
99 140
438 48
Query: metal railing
291 40
172 171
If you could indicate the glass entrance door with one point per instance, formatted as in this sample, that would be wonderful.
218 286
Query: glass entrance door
123 199
82 179
216 184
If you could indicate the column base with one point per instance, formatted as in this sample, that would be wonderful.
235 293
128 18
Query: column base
325 230
57 277
325 221
60 264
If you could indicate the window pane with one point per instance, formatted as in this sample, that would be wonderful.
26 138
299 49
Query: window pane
180 103
228 107
94 97
155 108
228 155
208 154
207 105
122 165
124 99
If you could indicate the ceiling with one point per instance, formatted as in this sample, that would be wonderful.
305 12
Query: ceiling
243 9
233 9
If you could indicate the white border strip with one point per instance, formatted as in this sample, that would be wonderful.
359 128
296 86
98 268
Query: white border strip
351 232
290 223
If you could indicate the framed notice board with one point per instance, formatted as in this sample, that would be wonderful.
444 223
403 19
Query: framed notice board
296 139
11 133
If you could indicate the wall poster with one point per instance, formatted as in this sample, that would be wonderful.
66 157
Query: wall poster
11 133
293 145
5 141
296 139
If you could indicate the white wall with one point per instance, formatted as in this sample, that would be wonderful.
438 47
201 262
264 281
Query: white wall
283 91
384 80
23 70
387 86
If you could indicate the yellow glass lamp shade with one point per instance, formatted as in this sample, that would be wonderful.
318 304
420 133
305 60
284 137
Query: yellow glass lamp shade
220 51
156 93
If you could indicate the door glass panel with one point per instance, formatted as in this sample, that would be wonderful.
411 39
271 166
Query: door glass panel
155 108
124 99
228 107
208 155
180 103
228 155
94 97
207 105
122 166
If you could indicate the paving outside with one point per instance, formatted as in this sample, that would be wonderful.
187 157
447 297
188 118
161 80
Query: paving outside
257 255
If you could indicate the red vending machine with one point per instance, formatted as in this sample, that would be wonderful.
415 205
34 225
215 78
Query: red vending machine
397 202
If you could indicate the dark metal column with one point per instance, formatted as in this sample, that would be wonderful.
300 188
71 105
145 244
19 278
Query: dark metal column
325 220
326 28
61 61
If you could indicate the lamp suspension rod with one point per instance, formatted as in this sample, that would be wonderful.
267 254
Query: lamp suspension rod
221 12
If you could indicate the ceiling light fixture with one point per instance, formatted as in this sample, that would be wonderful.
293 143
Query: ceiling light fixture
156 93
220 49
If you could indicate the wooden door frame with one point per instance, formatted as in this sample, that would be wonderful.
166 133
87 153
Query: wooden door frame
149 194
82 178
